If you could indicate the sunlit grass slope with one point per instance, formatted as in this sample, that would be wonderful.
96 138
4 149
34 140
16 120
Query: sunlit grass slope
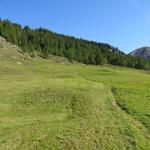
48 105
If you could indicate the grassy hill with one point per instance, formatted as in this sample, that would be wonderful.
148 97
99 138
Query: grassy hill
54 104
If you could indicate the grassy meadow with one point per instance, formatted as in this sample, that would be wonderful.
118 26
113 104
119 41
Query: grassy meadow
55 105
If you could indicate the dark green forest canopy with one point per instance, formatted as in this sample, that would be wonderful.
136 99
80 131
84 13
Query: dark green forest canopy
43 42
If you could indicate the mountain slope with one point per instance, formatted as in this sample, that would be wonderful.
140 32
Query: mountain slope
8 49
50 105
43 42
142 52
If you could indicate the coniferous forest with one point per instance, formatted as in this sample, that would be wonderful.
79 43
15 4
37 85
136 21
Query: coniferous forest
43 42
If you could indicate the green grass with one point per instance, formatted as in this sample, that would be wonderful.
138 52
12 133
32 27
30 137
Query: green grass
49 105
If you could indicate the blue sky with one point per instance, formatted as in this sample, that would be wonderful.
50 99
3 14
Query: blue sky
121 23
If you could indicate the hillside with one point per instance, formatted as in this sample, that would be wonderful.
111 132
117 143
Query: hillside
48 104
142 52
43 42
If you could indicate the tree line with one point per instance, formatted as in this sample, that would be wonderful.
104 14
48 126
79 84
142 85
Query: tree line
43 42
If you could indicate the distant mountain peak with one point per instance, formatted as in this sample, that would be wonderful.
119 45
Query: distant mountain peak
142 52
